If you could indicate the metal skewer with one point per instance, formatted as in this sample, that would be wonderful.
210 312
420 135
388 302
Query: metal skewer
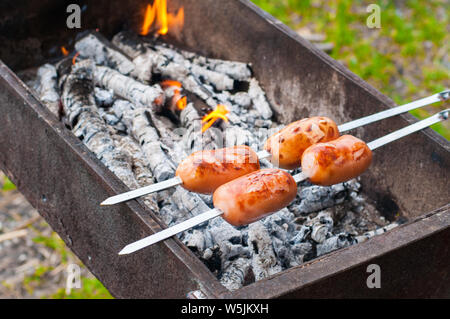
213 213
442 96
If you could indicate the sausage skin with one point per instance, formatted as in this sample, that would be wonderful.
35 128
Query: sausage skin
255 195
288 145
204 171
336 161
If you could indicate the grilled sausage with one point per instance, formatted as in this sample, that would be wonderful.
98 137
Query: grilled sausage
288 145
336 161
204 171
255 195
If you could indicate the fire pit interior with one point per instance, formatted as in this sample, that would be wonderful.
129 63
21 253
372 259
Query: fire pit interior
145 93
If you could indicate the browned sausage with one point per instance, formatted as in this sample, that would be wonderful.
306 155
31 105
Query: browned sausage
336 161
204 171
255 195
288 145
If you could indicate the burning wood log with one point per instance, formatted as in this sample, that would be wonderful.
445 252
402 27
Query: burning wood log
48 88
129 89
148 138
95 47
79 105
171 64
139 165
236 70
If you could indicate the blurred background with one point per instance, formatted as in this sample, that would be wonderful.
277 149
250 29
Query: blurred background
407 58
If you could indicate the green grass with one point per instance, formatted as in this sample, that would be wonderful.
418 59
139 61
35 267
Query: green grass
91 288
6 184
409 48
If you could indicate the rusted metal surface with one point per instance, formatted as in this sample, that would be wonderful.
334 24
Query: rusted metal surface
65 182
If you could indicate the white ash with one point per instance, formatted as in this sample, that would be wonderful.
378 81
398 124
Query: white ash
98 49
139 165
237 273
264 262
48 88
315 198
104 98
259 99
148 138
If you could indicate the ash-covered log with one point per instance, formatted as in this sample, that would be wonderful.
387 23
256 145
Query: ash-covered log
47 88
79 105
95 47
129 89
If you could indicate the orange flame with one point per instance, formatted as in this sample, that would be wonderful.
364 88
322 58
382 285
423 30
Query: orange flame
163 18
64 51
219 113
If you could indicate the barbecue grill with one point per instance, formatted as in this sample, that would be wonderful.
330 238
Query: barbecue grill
65 182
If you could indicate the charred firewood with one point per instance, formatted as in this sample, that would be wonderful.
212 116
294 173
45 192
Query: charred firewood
148 138
237 273
264 261
259 99
48 88
130 89
140 167
79 105
95 47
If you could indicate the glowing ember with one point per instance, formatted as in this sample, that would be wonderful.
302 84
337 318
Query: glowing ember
181 103
167 83
164 20
74 59
64 51
219 113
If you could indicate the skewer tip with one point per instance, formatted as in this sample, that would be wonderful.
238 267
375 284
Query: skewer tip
107 202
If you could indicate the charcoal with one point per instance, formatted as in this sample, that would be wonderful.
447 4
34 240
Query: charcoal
338 241
235 70
189 203
103 98
315 198
302 235
195 240
259 100
221 231
48 88
264 261
237 273
95 47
